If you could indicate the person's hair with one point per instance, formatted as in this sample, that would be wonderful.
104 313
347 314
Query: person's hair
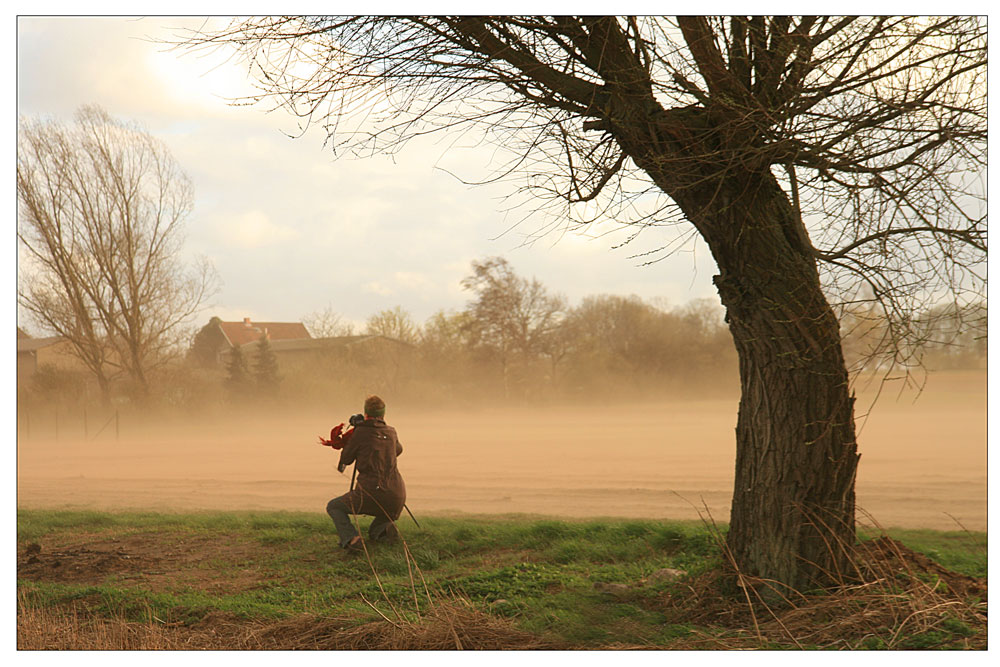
374 406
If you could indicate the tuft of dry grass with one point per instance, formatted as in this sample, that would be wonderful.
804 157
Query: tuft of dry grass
452 624
890 598
41 629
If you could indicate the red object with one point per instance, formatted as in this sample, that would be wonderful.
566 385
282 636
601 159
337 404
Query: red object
337 438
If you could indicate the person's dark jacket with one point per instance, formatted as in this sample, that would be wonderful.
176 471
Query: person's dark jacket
373 449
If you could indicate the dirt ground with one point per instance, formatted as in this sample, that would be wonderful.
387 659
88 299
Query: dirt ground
923 462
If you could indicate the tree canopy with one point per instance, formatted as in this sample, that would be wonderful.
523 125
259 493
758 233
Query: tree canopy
874 126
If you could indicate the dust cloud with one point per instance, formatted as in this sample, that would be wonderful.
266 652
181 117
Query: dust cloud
923 462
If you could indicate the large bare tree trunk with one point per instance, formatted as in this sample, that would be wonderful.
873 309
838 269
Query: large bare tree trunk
796 452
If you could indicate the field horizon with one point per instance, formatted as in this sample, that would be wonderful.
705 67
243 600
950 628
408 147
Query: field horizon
923 459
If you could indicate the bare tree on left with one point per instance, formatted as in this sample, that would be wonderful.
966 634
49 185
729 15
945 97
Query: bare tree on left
101 208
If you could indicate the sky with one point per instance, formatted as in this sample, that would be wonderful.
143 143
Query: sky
292 229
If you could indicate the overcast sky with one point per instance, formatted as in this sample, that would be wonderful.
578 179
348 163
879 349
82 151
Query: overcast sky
290 229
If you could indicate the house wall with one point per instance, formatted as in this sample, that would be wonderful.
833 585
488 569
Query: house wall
27 365
59 355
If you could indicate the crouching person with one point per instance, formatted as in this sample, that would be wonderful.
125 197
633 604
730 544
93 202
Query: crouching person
380 491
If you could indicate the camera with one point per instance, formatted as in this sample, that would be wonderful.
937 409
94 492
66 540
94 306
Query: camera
356 420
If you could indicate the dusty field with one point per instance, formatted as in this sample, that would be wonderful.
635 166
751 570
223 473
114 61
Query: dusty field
923 463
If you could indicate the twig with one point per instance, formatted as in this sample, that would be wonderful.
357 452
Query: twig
387 619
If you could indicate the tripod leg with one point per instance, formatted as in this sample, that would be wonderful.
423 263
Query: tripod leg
411 515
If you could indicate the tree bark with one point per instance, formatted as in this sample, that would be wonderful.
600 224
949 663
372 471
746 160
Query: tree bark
796 452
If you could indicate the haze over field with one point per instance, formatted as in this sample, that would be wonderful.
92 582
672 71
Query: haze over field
922 465
282 221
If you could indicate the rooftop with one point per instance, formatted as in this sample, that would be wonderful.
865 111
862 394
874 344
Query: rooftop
32 344
241 333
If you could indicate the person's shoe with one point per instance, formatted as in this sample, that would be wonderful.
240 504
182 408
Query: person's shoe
390 536
355 545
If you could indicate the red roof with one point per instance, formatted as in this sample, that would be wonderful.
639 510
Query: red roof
240 333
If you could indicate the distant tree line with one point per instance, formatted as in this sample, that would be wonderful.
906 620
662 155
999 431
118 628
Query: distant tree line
946 336
525 341
516 341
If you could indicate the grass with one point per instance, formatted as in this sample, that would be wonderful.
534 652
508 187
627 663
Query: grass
959 550
578 583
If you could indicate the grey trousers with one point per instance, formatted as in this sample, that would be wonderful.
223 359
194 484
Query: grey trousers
381 530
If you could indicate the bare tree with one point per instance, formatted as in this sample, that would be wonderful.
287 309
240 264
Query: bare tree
446 335
514 316
394 323
327 323
815 156
100 209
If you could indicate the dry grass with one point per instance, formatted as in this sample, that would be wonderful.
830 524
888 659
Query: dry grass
40 629
890 598
451 625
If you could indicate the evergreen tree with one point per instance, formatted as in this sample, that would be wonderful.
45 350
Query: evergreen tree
266 368
237 373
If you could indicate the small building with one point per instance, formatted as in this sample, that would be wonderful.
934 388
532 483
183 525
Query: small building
305 350
335 353
53 351
324 366
241 333
213 342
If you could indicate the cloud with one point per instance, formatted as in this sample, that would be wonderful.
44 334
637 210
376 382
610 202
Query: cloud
378 288
253 229
290 226
411 280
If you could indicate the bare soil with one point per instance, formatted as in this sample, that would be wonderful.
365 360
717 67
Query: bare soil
923 461
154 562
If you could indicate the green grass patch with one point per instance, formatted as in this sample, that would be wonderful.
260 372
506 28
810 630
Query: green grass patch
548 576
959 551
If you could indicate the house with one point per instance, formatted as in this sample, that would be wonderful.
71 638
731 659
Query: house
213 342
54 351
241 333
303 348
322 352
